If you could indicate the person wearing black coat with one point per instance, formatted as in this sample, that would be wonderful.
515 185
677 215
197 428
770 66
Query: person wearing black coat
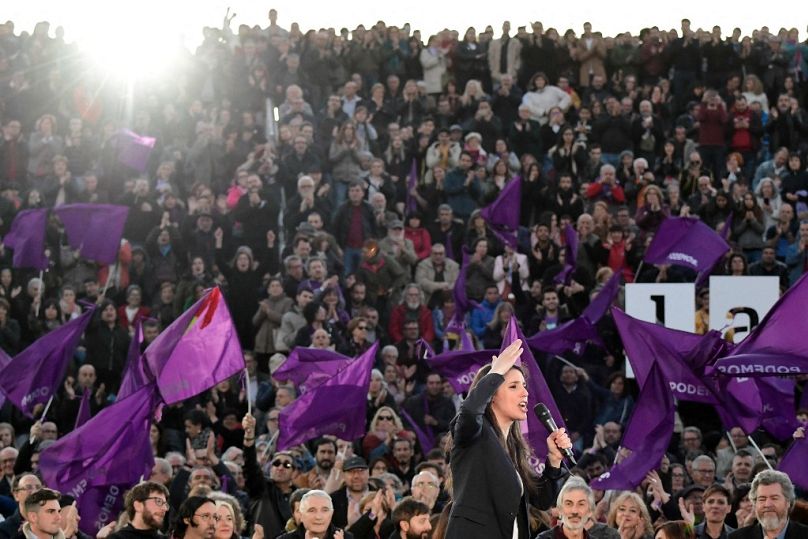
773 496
492 484
107 345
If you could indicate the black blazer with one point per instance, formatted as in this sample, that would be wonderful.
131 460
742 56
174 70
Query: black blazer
488 496
795 530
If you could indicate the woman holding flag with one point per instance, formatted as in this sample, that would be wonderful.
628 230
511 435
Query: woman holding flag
492 478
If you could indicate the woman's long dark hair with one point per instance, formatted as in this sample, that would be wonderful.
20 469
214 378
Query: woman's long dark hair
515 444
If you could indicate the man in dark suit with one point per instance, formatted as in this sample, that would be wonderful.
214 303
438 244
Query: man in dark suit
346 500
772 493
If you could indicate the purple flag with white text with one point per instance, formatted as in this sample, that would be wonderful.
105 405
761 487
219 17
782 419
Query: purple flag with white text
776 346
26 238
647 434
36 373
197 351
688 242
336 406
95 230
100 460
687 360
502 215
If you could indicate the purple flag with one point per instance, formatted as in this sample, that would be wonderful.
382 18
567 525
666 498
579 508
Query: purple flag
502 215
310 366
532 429
793 462
27 239
197 351
462 303
100 460
726 228
777 344
647 434
84 414
136 373
687 357
134 150
460 367
686 241
95 230
337 406
779 406
574 334
570 255
425 439
412 182
36 373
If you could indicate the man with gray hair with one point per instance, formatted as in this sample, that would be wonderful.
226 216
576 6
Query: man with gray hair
576 505
316 510
773 495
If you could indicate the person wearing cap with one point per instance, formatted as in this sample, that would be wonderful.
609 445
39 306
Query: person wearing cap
347 500
383 276
396 246
456 133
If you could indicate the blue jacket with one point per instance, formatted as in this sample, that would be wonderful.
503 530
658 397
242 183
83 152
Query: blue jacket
481 316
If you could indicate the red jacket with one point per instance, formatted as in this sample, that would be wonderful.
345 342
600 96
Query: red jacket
142 312
615 194
420 241
399 316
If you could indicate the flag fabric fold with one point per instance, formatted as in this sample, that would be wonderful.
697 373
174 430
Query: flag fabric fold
95 230
134 150
197 351
412 182
776 346
538 391
686 366
307 367
647 435
36 373
136 373
574 334
26 238
336 406
84 414
99 461
502 215
688 242
793 462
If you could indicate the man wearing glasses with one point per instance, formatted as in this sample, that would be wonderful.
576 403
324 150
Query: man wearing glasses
146 505
23 486
196 519
273 496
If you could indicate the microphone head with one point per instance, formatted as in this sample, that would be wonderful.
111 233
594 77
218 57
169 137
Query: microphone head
542 412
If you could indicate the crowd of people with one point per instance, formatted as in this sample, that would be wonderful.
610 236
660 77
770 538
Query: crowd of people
340 217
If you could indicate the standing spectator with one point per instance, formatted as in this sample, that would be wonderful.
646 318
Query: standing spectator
542 96
713 119
591 54
504 55
353 225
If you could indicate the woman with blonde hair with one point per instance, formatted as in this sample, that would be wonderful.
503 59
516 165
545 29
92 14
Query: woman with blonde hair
385 427
753 91
629 516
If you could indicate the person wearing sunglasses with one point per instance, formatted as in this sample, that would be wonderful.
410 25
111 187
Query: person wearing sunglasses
274 510
146 506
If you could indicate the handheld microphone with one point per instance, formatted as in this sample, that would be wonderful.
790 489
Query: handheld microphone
549 423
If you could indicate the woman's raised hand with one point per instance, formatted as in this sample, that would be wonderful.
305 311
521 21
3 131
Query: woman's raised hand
502 363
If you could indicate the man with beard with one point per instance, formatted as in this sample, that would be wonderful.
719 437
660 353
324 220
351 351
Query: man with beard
576 504
346 501
196 519
773 494
412 307
146 505
325 452
411 519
